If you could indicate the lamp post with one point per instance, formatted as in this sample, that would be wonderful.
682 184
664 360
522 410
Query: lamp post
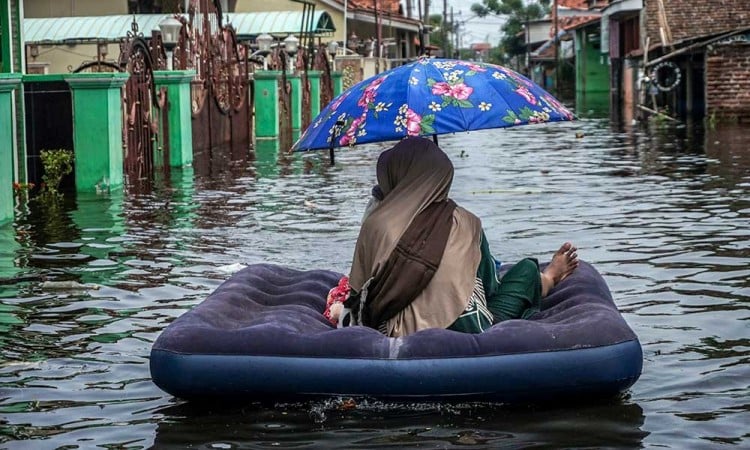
170 31
102 49
264 42
333 47
291 45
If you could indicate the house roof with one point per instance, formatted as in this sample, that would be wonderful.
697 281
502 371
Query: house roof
571 23
391 6
480 46
116 27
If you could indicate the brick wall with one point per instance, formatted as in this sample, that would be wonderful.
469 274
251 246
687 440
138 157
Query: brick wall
728 82
693 18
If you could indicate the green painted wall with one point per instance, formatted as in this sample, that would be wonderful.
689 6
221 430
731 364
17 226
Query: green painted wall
296 96
592 73
11 47
338 83
8 83
12 61
180 120
314 77
266 104
97 130
6 42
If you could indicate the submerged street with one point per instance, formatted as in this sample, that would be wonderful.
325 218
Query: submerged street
663 212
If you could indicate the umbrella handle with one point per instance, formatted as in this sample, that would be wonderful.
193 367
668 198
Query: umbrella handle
434 139
336 129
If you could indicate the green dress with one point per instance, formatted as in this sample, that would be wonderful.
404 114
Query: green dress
517 295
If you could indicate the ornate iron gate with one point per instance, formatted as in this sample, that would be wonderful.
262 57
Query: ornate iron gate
140 108
301 65
220 100
326 81
279 62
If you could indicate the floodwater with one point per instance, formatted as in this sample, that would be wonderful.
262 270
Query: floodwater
663 213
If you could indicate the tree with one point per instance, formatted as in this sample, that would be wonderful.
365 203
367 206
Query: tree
440 34
517 13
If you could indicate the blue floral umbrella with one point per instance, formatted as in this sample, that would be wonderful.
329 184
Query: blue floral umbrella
430 97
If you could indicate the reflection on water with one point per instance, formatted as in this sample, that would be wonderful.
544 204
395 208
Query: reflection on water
87 285
337 423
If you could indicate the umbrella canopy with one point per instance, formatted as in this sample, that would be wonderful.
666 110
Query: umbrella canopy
430 97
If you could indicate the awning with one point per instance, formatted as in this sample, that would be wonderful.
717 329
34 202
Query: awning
116 27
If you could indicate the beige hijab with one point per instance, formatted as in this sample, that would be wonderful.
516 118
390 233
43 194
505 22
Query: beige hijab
412 175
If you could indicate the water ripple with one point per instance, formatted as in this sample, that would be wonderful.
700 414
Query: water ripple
662 213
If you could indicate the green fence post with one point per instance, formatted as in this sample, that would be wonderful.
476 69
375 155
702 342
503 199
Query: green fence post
266 104
314 77
97 129
9 82
177 83
295 81
338 83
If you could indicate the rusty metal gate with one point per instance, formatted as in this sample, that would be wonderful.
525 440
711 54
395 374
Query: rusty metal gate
326 81
301 65
278 62
140 103
219 93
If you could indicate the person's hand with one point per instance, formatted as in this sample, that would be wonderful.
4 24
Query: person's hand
335 300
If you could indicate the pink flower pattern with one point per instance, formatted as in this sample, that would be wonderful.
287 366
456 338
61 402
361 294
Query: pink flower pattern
368 97
474 67
461 91
413 121
526 94
441 88
454 90
350 137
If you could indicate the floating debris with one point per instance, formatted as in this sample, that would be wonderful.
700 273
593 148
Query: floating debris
68 285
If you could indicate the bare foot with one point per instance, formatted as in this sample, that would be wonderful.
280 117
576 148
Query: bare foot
563 263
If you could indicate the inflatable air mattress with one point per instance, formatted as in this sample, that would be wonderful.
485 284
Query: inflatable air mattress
262 334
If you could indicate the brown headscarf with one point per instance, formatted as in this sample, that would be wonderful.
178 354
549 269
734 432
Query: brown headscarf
412 175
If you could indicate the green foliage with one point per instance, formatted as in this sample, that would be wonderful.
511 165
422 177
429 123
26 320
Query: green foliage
57 163
441 32
517 13
712 120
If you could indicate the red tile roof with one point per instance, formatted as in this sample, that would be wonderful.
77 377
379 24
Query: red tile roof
390 6
577 4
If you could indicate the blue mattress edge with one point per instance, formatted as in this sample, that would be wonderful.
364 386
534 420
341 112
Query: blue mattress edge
528 377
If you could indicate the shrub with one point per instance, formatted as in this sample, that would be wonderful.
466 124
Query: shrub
57 163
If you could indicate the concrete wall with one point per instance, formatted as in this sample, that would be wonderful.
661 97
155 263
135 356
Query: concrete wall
62 58
728 82
68 8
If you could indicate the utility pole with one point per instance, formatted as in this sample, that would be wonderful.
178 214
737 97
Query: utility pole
454 28
378 36
557 50
421 29
444 29
527 38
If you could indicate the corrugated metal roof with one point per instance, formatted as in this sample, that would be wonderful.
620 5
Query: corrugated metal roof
114 28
